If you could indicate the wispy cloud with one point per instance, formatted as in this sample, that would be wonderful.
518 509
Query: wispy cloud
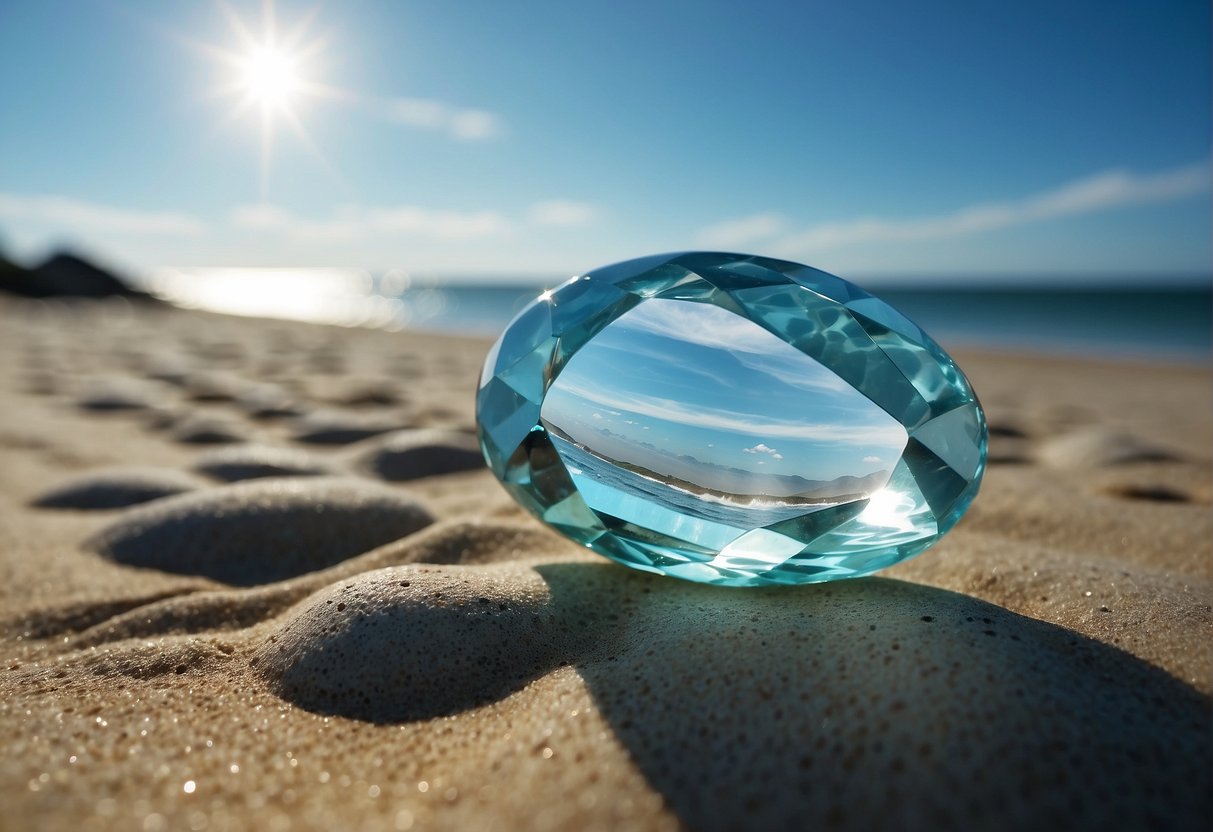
887 434
80 217
709 326
1101 192
462 123
740 232
353 222
561 212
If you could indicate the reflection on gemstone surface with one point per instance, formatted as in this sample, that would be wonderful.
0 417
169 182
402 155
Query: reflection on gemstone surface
730 419
694 405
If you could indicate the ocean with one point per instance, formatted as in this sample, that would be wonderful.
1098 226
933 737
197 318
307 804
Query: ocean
1168 322
624 493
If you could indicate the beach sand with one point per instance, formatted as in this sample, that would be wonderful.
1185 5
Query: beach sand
253 575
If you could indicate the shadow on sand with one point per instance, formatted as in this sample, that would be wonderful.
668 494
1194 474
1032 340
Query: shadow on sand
876 703
863 704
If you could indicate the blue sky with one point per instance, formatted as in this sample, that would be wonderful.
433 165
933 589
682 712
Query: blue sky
706 383
549 138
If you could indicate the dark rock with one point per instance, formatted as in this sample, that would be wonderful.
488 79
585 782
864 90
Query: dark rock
65 275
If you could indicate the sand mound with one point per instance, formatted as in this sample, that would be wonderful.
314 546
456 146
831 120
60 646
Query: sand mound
208 429
408 643
119 393
261 531
247 462
117 488
268 401
214 387
1097 446
167 367
932 693
413 454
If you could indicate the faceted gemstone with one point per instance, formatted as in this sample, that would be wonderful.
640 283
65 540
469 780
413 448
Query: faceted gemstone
732 420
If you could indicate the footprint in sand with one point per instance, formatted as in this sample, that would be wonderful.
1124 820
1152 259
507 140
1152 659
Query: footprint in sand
412 454
335 427
261 531
117 488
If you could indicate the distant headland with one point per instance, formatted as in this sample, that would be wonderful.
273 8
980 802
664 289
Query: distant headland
65 274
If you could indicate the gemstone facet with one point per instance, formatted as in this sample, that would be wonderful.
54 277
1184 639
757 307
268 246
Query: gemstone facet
730 419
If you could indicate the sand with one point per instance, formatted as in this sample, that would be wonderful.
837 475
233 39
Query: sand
251 578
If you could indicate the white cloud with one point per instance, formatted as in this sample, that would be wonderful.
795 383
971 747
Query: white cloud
1101 192
886 433
81 217
741 232
465 124
872 459
563 212
762 448
352 222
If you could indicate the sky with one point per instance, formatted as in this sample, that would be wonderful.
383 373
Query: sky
709 393
548 138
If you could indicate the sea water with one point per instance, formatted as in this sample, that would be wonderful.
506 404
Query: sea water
1144 318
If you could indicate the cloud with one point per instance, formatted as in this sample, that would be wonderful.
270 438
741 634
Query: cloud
872 459
762 448
352 222
464 124
1101 192
561 212
80 217
710 326
738 233
884 434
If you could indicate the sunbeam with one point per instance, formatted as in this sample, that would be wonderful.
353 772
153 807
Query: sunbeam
269 73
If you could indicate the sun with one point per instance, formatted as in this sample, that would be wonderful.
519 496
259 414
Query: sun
271 78
270 72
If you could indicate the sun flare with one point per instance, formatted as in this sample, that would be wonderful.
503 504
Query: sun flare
270 77
271 72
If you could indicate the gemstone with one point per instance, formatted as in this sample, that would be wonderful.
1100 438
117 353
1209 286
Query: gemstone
730 419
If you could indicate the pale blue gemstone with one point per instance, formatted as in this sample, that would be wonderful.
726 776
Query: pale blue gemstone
730 419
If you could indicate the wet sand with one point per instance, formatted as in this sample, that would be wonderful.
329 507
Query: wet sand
252 577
